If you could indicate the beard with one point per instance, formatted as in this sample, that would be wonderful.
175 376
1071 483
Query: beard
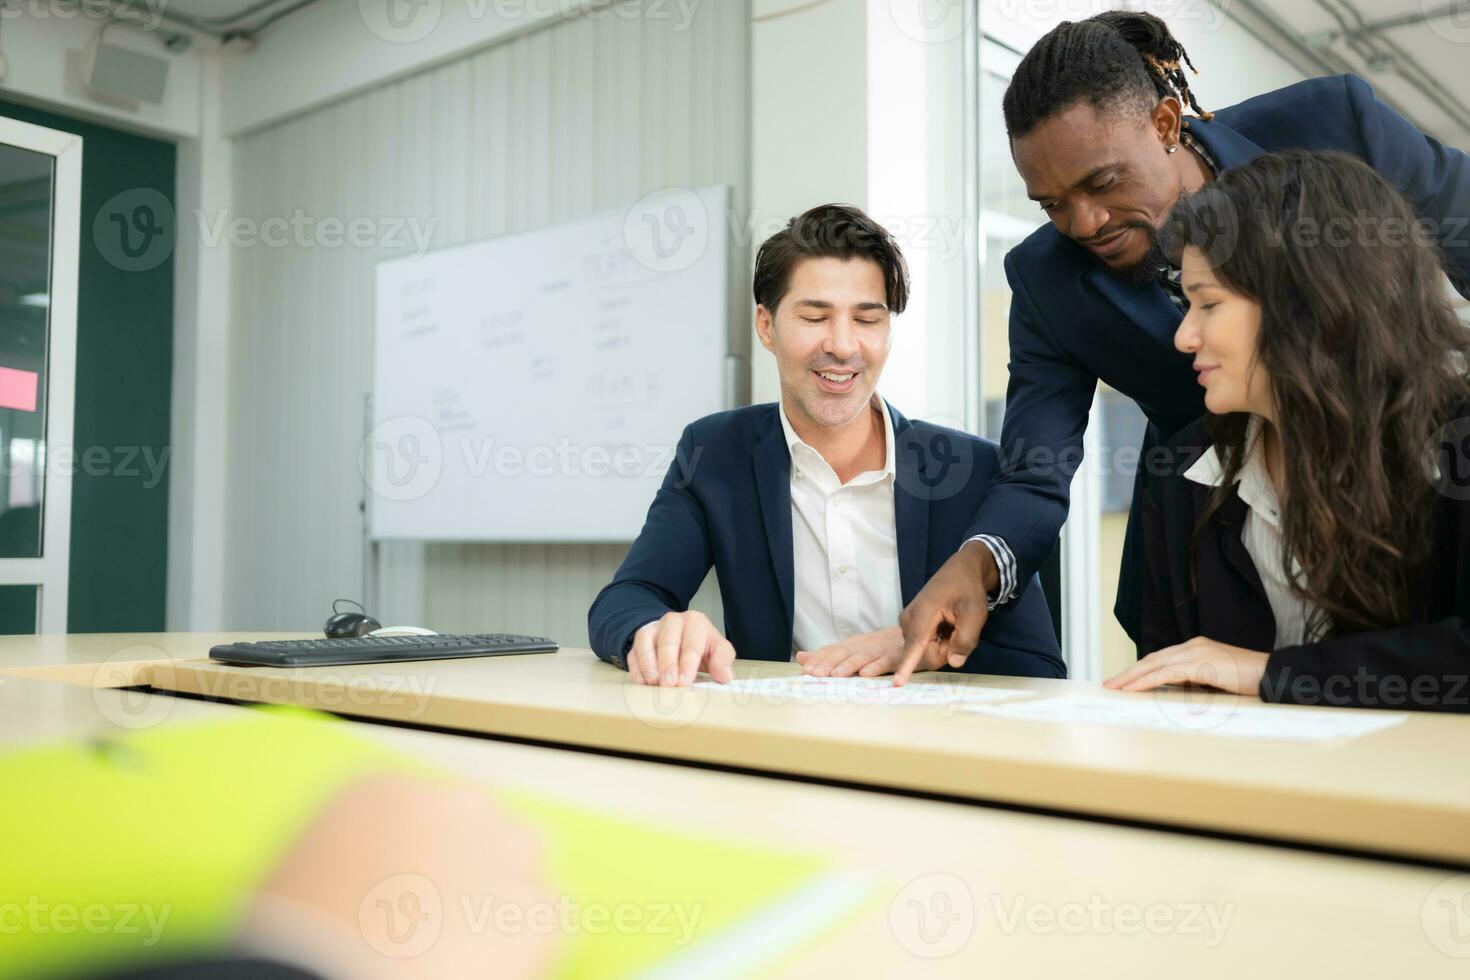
1163 251
1146 269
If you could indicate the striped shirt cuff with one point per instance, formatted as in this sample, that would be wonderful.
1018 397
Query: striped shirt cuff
1005 561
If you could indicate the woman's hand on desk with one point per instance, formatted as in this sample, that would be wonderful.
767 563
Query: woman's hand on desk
867 655
673 650
1201 662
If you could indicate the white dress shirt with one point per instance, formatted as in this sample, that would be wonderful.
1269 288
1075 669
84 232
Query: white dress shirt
844 544
1261 534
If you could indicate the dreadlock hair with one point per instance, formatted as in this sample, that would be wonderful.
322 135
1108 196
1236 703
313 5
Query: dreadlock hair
1117 60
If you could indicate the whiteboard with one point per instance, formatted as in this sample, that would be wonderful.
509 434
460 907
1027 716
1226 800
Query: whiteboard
534 387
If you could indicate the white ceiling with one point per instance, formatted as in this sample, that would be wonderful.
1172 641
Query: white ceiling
1439 46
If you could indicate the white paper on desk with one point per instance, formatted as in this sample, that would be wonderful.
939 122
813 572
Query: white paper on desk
1230 719
806 689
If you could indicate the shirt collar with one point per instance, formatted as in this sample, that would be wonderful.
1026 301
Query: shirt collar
1254 480
890 454
1188 139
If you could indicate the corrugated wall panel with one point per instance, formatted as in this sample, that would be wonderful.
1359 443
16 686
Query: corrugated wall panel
581 116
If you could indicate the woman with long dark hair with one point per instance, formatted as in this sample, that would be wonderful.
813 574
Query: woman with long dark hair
1312 544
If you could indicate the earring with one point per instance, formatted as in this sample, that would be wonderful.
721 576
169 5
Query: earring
1173 147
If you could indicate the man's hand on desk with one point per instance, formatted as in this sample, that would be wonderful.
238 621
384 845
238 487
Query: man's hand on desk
943 623
866 655
670 652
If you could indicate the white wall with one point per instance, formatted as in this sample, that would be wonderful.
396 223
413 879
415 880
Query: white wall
917 102
856 101
577 117
199 469
41 44
809 125
336 48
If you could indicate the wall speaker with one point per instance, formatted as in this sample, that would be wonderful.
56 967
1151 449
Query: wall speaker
117 72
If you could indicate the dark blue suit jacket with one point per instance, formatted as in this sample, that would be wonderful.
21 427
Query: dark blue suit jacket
1073 323
727 502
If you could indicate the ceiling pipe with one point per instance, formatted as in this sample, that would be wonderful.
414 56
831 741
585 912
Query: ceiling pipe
1313 55
1372 27
1381 53
236 28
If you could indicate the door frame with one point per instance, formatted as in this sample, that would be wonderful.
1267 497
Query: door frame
49 573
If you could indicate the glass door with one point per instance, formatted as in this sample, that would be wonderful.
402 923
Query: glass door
40 221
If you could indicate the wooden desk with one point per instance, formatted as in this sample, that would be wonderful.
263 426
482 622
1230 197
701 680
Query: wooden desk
1027 895
107 659
1403 791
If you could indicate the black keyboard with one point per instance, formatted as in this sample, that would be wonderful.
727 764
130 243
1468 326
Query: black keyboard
378 649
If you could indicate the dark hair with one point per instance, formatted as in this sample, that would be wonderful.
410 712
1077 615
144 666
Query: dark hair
1115 60
838 231
1366 361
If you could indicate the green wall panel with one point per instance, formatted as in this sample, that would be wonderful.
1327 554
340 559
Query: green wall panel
119 526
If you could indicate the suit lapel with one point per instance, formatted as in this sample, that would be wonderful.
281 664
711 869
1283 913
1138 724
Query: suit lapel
1146 304
910 507
1228 521
772 464
1229 148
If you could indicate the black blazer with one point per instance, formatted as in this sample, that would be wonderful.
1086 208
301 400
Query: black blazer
726 502
1423 665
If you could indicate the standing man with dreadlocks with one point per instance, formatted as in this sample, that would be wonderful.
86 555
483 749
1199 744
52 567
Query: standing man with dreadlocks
1095 115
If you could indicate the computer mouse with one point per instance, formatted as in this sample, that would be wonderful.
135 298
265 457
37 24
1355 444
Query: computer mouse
350 624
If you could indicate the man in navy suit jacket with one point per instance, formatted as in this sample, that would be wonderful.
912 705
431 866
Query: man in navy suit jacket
822 515
1095 117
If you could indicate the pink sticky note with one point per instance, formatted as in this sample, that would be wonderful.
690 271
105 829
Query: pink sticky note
18 389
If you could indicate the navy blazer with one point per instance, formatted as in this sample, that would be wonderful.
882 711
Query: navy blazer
726 502
1073 322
